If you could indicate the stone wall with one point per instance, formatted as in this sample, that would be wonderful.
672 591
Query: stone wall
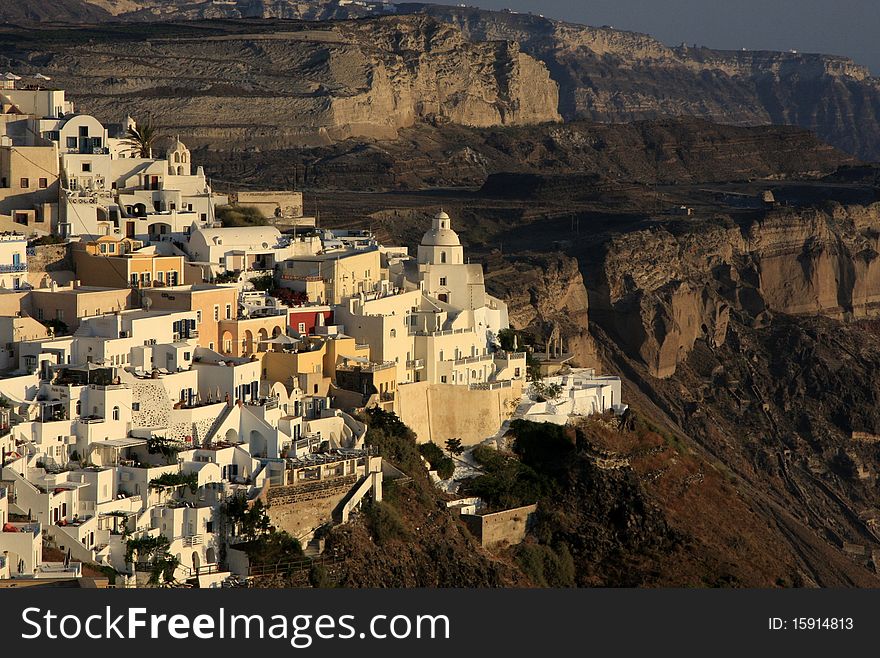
155 407
505 527
299 510
437 412
50 258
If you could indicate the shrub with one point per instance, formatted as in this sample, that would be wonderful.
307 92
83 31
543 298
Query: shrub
264 282
240 216
546 566
439 461
384 522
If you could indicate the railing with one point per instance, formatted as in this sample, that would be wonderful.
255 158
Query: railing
494 386
474 359
17 267
415 364
302 277
192 540
292 566
366 367
444 332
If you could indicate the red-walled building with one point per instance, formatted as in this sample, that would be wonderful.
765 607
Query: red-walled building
304 318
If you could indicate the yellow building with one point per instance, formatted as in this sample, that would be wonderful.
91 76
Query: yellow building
248 336
212 304
70 304
144 268
29 185
333 276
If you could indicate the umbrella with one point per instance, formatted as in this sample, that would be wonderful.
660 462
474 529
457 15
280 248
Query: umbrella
40 76
281 339
12 76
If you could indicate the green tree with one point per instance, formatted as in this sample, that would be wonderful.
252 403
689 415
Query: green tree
141 140
454 447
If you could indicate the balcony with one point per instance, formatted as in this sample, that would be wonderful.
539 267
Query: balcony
415 364
16 267
192 540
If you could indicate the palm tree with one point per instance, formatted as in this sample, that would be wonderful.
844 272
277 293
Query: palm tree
141 140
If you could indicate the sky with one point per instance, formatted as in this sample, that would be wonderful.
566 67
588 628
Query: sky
839 27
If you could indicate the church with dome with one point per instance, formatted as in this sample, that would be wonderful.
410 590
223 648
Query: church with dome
455 285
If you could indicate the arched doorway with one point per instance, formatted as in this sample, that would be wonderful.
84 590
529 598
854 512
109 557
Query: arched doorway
248 342
210 556
196 561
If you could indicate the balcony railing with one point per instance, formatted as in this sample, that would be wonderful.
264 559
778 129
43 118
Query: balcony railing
415 364
17 267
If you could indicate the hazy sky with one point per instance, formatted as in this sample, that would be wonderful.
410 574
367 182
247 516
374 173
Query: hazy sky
841 27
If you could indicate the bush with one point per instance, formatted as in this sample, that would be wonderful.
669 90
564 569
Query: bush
263 282
546 566
395 441
240 216
384 522
438 460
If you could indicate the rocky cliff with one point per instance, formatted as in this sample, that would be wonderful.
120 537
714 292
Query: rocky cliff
611 75
269 88
662 289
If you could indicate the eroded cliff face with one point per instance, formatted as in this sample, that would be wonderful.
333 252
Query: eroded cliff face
660 290
544 291
612 75
271 89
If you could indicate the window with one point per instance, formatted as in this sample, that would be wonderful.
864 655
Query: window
135 406
516 372
71 142
441 355
301 327
228 311
186 356
394 333
112 248
198 317
442 379
83 131
161 276
96 142
442 280
39 314
103 248
86 166
59 314
25 182
115 413
44 183
134 279
442 256
145 278
216 312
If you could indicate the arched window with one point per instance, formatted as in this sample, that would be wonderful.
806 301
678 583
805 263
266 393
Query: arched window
442 256
177 157
394 333
115 413
183 157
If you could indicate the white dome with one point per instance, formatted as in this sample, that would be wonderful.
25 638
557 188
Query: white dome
440 234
